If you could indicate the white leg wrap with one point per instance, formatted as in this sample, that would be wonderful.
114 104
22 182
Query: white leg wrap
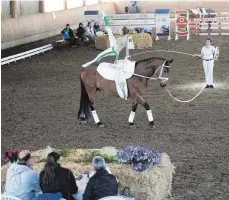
150 115
95 116
131 117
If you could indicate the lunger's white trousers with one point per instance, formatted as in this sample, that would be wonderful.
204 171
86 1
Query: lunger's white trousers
208 70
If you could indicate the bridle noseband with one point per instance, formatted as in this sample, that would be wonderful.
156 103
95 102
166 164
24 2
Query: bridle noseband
161 68
159 77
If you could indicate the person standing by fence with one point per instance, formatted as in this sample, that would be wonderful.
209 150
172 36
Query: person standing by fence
207 54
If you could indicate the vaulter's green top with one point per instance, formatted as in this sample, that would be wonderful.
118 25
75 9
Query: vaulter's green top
119 43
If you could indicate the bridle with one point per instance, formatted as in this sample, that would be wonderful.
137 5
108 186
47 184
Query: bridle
161 68
159 77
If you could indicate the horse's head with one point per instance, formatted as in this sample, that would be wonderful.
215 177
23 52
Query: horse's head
161 72
154 65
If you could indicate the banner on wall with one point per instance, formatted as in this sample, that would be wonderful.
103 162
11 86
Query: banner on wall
92 16
162 23
137 23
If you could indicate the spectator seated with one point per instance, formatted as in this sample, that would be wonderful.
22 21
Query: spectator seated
68 37
102 183
21 179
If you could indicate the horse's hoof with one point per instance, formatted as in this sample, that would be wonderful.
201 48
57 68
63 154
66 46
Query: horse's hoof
132 126
100 125
83 122
151 125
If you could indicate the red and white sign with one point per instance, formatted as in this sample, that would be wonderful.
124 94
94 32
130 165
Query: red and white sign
182 22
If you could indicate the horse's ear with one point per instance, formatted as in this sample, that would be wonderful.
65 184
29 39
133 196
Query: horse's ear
170 61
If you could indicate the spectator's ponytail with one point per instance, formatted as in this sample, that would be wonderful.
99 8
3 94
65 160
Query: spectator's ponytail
50 168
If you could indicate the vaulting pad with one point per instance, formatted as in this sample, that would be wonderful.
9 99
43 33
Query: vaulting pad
118 73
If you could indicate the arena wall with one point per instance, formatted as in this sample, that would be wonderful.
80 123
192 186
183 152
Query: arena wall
25 29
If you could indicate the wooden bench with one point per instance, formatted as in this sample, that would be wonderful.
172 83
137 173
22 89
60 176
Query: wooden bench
59 43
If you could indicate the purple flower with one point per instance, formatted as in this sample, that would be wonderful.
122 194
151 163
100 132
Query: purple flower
140 158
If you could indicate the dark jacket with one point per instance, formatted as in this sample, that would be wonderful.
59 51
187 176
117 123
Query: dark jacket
96 28
70 32
64 183
102 184
80 31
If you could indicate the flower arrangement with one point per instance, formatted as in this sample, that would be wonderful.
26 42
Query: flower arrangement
10 156
140 158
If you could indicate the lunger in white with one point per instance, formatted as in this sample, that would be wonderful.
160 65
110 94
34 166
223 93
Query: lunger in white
207 54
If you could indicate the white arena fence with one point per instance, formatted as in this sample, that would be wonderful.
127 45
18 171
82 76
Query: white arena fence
26 54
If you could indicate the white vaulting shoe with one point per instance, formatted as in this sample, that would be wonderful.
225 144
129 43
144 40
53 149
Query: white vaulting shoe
85 65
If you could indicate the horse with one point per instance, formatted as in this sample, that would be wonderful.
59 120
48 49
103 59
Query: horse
91 81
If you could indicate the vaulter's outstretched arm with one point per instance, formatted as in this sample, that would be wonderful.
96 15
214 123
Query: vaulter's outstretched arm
109 31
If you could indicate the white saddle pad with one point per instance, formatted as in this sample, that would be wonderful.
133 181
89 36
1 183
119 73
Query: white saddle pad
118 73
108 70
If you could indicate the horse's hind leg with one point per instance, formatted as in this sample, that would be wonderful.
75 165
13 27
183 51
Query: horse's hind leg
91 94
95 116
132 114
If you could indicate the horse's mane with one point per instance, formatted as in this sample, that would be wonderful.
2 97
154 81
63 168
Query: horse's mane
148 59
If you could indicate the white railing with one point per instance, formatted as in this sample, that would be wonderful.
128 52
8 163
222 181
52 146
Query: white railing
26 54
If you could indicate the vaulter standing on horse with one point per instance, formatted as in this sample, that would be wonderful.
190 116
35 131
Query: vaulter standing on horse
116 45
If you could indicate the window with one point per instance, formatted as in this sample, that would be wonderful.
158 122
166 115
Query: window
24 8
74 3
5 9
90 2
56 5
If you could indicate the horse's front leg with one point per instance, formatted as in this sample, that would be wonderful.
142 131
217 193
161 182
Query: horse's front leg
141 100
95 116
132 115
149 115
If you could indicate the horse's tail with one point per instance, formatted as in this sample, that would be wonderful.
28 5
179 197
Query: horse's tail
84 110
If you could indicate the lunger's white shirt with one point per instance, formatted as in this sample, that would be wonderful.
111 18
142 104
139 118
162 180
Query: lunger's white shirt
208 52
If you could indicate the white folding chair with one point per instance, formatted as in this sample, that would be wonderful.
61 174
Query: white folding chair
9 197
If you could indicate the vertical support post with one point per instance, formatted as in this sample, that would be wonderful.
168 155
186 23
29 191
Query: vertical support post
65 4
188 26
84 5
41 6
13 11
169 37
176 29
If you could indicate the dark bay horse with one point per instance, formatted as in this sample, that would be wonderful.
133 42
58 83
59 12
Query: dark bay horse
91 81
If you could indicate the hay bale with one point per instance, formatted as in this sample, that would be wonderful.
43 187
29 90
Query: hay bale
155 184
140 40
102 43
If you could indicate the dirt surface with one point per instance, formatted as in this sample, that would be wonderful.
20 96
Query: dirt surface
40 99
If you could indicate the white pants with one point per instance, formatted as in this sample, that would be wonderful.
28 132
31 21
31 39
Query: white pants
208 70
